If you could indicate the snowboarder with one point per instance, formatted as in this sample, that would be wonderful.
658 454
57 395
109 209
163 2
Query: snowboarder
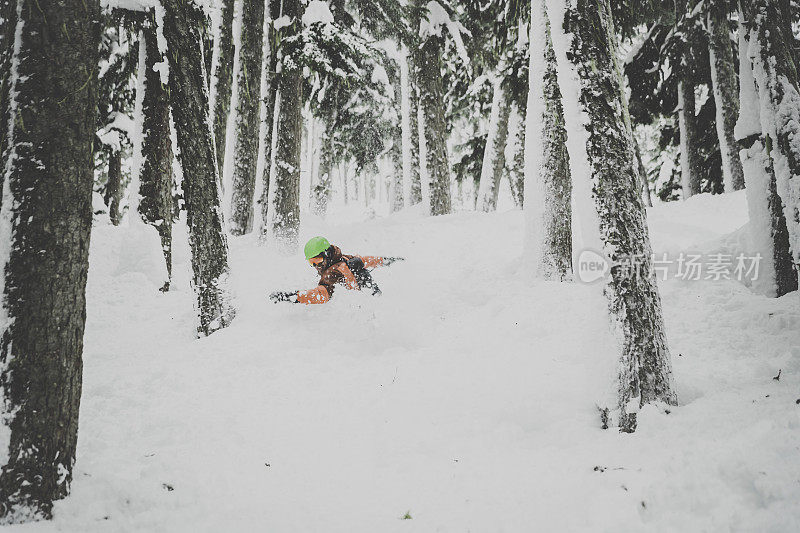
334 268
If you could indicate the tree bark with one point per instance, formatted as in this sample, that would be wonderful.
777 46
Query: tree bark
428 64
46 225
648 198
777 81
690 156
247 115
549 185
8 26
322 190
415 191
494 159
113 191
201 190
396 201
516 171
634 303
224 82
156 179
726 95
286 219
270 96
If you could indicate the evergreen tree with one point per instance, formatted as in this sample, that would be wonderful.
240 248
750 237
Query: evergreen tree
548 185
221 96
201 191
246 150
609 158
155 177
48 176
725 86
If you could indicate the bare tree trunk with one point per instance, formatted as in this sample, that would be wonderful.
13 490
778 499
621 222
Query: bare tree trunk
396 202
113 191
494 159
224 78
201 188
156 179
634 303
286 182
726 94
48 177
270 98
247 123
322 190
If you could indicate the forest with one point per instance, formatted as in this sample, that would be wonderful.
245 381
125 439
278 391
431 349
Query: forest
586 317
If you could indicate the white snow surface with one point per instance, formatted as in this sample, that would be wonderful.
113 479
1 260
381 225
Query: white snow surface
317 11
464 396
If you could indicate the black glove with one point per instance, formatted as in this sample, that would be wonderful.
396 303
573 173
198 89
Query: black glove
389 260
283 297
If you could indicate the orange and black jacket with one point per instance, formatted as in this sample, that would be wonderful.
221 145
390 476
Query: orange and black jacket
334 271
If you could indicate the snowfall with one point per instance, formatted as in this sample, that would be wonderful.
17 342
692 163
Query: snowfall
463 399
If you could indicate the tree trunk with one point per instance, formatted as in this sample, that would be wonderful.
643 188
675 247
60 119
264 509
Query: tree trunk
322 190
113 191
767 225
777 81
494 159
286 181
415 187
224 82
634 303
396 202
645 182
516 171
156 180
549 184
247 115
436 169
726 97
196 154
48 179
270 98
8 26
690 156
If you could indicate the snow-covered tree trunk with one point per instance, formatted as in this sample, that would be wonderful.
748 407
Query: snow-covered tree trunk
45 223
400 169
726 97
321 191
113 191
646 196
436 168
608 157
415 187
8 26
494 159
155 178
548 184
223 78
516 166
776 78
268 139
286 180
201 188
690 156
247 125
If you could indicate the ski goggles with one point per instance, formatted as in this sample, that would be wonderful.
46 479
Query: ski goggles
314 261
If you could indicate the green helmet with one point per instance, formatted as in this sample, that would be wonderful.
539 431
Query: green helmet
316 246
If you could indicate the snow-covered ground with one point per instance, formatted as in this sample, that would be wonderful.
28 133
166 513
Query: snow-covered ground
463 398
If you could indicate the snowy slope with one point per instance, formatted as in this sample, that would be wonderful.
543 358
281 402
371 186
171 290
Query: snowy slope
464 396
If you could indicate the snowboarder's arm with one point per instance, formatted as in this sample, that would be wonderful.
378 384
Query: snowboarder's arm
317 295
374 261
